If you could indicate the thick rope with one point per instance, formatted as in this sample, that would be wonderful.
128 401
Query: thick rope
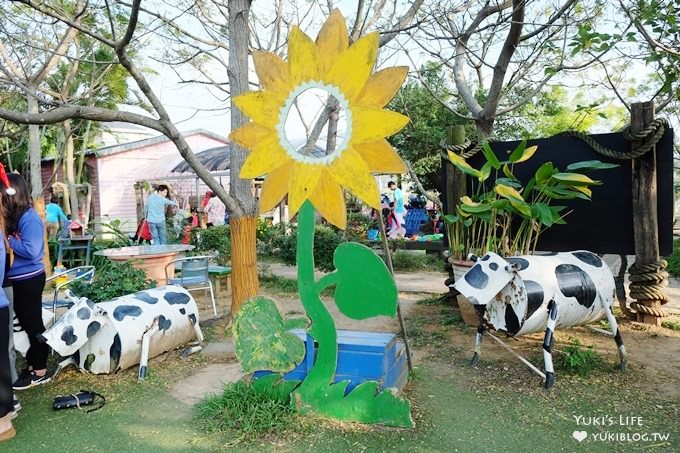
653 133
466 150
647 282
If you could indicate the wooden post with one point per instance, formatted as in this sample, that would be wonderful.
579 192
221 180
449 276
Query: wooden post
139 199
645 220
455 179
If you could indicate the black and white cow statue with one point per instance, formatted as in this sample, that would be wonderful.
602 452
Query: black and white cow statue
527 294
110 336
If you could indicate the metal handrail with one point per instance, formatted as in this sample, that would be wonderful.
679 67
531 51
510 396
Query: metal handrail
87 273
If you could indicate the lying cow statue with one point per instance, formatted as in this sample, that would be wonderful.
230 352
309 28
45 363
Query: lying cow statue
110 336
527 294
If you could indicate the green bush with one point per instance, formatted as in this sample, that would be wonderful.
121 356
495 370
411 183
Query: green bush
577 360
245 414
326 240
405 261
214 239
270 237
674 260
115 280
358 225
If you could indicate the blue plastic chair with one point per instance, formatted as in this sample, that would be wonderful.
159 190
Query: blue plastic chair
194 275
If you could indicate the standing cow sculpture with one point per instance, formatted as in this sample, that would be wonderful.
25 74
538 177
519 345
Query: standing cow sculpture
110 336
527 294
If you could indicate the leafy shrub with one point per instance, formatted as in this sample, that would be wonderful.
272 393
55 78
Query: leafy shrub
326 240
245 414
404 261
214 239
270 237
358 225
115 280
674 260
577 360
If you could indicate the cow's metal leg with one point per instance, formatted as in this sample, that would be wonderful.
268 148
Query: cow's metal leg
146 340
197 330
478 337
617 337
548 341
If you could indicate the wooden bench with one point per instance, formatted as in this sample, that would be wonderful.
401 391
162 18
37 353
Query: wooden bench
220 276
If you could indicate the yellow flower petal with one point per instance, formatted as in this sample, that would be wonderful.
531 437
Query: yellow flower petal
381 87
272 72
261 106
381 157
329 200
266 156
372 124
275 187
332 40
303 181
302 58
353 173
250 135
353 67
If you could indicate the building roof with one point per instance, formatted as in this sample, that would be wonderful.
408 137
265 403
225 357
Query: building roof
123 147
214 159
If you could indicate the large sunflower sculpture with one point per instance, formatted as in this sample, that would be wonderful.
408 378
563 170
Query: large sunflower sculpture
346 73
315 179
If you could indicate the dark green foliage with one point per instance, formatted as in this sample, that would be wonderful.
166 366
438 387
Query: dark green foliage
578 360
405 261
114 280
270 237
244 413
671 325
674 260
216 239
326 240
357 226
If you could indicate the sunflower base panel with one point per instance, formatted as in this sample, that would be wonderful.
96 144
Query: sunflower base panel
362 356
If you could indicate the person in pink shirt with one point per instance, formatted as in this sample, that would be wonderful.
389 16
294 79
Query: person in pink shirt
215 210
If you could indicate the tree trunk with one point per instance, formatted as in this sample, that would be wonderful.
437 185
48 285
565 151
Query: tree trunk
34 157
243 227
244 278
69 174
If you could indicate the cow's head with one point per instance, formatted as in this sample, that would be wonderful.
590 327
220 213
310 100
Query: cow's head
486 278
76 327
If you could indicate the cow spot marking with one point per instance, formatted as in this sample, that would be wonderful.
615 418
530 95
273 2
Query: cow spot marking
93 328
523 264
68 336
146 297
164 323
486 257
83 313
114 354
90 304
192 318
476 277
493 266
122 311
535 296
183 311
589 258
176 298
512 324
574 282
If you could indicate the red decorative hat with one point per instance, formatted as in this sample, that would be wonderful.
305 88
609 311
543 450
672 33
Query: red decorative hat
5 180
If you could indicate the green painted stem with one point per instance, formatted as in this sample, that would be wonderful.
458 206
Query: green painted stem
323 327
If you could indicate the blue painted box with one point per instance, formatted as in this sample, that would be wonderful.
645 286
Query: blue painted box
362 356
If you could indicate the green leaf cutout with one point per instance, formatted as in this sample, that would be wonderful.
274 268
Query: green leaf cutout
364 286
262 340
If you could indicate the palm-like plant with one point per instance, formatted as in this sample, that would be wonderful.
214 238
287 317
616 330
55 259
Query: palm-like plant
504 215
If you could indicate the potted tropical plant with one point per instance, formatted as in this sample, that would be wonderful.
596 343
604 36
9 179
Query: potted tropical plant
505 215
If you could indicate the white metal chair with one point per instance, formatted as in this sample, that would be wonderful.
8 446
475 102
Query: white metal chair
84 273
194 275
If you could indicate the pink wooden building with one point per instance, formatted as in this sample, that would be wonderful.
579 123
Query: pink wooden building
114 170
